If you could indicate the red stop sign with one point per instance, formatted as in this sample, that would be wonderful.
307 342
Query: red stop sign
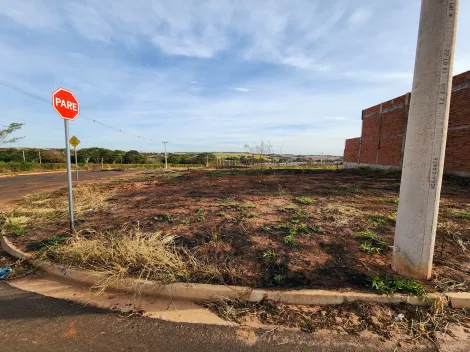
65 103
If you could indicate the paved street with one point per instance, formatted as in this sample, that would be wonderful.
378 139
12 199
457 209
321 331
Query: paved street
14 188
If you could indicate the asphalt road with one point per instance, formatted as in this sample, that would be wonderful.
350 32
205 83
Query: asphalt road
31 322
13 188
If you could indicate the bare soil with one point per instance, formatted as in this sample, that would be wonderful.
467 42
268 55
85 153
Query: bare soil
399 326
239 220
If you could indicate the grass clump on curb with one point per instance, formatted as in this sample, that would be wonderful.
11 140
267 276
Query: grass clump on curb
119 254
390 284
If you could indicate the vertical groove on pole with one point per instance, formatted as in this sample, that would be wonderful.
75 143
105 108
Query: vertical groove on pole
69 174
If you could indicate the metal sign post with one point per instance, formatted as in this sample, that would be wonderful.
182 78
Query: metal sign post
76 166
69 173
74 141
68 108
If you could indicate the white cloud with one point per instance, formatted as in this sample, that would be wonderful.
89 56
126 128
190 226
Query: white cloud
360 16
241 89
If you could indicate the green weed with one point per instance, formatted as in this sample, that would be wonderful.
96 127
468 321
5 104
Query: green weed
288 208
269 254
290 240
185 221
266 228
279 279
52 241
304 200
293 230
15 229
299 213
377 222
459 215
282 226
369 248
389 284
201 218
303 228
164 218
222 214
200 211
373 244
317 229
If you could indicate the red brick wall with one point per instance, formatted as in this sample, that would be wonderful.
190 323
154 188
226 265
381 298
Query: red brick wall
458 151
384 127
370 126
369 151
459 113
458 137
390 151
462 78
351 150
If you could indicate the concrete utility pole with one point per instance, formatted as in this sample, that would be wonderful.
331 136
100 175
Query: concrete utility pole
39 153
426 136
166 159
24 158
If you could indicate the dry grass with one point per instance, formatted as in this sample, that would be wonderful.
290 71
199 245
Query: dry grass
414 322
131 253
343 215
50 206
124 253
90 198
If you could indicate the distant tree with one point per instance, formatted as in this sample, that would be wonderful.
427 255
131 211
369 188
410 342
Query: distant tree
203 157
187 159
133 157
12 127
174 158
11 154
52 156
118 156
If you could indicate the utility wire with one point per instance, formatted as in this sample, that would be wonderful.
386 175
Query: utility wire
37 97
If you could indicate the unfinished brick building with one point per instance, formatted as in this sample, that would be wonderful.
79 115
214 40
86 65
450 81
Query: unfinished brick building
382 141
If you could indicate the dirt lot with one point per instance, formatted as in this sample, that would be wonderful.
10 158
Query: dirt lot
282 228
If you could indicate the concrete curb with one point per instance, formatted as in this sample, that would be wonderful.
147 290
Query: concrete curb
205 292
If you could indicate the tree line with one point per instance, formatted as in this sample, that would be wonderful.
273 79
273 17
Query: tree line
97 155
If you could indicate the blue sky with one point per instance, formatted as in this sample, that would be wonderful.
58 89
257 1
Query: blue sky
209 75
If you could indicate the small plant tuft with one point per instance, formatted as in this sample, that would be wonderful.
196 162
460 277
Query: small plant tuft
290 240
269 254
304 200
377 222
279 279
317 229
390 284
459 215
373 244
